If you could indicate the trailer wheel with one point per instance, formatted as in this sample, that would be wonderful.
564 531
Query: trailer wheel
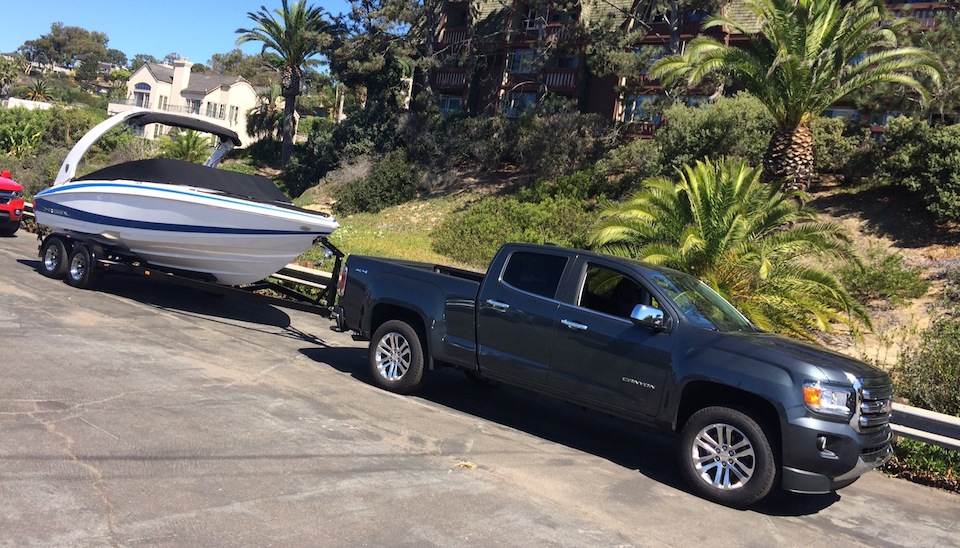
726 457
396 358
53 258
81 271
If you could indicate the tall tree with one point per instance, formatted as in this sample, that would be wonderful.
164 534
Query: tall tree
64 46
297 33
751 243
805 56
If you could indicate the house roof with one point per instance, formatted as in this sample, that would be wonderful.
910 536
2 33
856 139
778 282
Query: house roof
205 83
160 73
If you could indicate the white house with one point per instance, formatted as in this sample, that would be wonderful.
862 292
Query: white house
223 100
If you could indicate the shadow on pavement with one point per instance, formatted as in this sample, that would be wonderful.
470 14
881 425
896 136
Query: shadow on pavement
619 441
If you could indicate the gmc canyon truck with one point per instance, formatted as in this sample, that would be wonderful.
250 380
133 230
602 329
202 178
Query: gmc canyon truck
753 410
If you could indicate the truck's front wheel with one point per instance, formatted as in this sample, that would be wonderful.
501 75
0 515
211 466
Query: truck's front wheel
396 358
725 456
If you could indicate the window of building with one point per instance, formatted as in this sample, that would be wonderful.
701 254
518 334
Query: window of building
450 104
516 103
522 61
637 109
565 62
162 102
234 114
456 17
193 106
141 95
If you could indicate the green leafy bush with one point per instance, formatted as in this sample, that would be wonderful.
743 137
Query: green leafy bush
925 160
882 275
835 143
734 127
555 145
472 236
589 185
926 464
929 374
633 162
391 181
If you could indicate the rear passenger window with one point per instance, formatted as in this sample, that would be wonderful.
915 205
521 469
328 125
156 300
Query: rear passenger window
536 273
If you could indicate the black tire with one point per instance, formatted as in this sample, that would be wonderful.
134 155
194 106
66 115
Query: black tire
725 456
81 269
396 358
54 258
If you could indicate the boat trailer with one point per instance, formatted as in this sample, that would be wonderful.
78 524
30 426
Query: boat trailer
80 260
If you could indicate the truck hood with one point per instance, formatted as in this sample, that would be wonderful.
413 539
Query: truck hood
9 184
779 349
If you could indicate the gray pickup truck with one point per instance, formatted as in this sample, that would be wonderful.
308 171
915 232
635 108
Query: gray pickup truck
753 410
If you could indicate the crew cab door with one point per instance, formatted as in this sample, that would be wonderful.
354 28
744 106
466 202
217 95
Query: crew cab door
600 355
516 314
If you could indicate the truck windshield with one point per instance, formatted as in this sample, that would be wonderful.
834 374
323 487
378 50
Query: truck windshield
701 304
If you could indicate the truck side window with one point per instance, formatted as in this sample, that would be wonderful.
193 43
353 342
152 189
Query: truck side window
537 273
611 292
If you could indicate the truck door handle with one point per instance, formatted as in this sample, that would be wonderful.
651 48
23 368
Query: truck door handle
498 306
574 325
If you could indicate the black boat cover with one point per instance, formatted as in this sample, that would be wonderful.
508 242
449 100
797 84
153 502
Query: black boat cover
168 171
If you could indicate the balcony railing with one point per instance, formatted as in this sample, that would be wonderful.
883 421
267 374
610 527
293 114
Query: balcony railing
453 35
450 78
168 108
559 79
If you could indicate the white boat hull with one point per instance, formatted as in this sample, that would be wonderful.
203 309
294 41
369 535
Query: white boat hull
237 241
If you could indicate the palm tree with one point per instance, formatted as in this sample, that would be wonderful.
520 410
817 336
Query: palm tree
297 34
265 120
805 57
755 245
187 145
39 91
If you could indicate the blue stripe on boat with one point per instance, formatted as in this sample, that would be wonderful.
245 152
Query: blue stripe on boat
209 197
58 210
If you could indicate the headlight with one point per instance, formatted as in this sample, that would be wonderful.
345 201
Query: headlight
828 399
18 194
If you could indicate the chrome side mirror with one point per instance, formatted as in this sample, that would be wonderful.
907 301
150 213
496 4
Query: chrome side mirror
647 316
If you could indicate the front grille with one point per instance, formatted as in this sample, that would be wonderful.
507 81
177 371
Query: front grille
874 396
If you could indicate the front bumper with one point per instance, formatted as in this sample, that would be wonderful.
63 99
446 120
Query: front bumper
820 456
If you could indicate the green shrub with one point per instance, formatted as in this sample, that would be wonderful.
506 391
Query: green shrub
391 181
555 145
882 275
925 160
633 162
835 143
589 185
472 236
929 374
735 127
926 464
22 130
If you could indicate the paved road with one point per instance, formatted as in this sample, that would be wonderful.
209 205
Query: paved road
142 414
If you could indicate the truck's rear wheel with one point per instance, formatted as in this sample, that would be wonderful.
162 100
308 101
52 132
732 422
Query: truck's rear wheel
53 258
396 358
726 457
81 270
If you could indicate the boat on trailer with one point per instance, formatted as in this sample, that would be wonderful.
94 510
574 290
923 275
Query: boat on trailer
219 226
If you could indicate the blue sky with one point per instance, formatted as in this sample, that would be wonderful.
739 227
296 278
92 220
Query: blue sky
195 29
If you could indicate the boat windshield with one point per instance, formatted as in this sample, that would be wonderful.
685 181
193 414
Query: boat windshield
701 304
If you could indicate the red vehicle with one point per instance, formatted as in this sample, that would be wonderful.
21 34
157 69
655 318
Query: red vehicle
11 204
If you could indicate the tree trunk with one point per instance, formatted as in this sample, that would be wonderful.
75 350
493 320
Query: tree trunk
290 89
789 158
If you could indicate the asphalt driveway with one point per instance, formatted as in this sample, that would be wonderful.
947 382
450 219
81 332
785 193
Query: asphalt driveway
148 414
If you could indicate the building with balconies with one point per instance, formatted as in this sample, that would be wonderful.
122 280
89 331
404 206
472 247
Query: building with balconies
223 100
503 56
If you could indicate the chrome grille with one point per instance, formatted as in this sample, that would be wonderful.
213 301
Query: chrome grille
874 397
